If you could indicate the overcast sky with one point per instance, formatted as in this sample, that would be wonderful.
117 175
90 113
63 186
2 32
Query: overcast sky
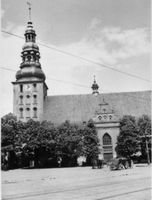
114 33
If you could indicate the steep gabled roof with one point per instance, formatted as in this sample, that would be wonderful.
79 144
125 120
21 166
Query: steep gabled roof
79 108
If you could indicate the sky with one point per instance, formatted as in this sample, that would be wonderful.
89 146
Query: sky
112 33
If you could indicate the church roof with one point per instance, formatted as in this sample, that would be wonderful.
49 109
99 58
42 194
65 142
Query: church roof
80 108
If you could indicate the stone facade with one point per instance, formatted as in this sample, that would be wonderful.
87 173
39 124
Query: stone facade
107 125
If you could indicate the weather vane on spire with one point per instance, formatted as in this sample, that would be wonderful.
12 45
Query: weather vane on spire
29 4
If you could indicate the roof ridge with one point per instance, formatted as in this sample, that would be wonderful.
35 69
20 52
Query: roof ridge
125 92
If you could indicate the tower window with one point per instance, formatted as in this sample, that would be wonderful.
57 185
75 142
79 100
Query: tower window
34 98
21 112
34 86
21 99
27 99
28 112
21 88
35 112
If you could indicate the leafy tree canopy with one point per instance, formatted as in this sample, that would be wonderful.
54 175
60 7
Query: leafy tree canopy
67 140
127 141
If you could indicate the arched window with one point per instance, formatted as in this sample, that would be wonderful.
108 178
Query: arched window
107 139
110 117
21 88
21 112
100 118
35 112
21 99
105 117
27 99
34 87
35 99
28 112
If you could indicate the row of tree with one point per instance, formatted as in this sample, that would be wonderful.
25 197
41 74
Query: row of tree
45 143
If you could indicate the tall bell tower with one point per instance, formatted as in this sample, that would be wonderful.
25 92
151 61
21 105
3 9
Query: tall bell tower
29 89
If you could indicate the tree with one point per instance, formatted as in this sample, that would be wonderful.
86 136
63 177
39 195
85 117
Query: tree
39 140
144 125
127 141
90 141
9 140
8 129
67 141
75 140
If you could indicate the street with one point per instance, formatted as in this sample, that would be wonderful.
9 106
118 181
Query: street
81 183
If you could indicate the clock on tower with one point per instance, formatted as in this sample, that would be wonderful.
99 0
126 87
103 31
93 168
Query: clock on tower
28 87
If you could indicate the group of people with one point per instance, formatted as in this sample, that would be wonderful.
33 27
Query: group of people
97 162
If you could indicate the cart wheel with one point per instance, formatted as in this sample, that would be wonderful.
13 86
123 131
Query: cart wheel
121 166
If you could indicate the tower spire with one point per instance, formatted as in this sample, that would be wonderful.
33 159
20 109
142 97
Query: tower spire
29 5
30 66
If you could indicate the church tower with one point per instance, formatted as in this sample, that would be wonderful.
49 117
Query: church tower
29 89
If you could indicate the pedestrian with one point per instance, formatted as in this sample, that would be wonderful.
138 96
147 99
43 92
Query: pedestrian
100 161
6 157
94 162
59 160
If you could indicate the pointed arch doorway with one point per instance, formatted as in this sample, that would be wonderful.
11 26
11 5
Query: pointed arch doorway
107 147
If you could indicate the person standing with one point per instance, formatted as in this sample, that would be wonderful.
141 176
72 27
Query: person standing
100 161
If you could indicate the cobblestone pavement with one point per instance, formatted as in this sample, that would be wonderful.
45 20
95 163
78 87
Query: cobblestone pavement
81 183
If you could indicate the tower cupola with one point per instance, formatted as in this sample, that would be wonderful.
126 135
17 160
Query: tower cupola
30 68
95 87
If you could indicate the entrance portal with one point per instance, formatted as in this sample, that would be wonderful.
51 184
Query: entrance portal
107 147
108 156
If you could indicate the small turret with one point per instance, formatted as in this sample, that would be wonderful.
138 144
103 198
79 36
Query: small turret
95 87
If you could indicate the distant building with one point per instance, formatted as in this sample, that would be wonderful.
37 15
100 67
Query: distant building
31 100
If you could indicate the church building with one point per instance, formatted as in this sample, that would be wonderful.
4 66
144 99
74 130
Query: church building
30 100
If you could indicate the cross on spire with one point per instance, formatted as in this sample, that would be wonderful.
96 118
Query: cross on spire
29 4
94 78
